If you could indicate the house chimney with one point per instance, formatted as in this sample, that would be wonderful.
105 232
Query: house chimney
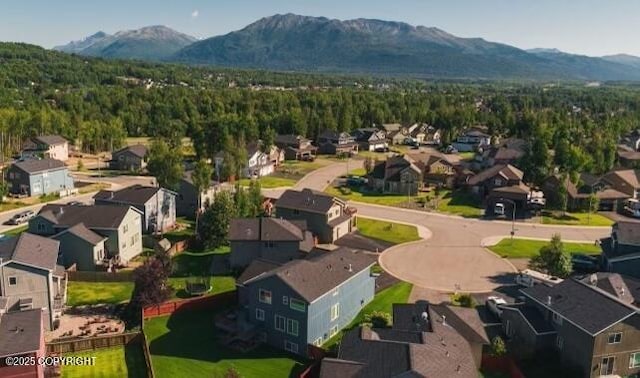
548 300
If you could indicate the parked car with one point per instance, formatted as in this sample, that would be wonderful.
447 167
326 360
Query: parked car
493 304
632 208
308 158
498 209
584 263
356 181
382 149
22 217
450 150
529 277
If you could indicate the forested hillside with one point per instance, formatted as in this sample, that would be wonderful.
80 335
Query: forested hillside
97 103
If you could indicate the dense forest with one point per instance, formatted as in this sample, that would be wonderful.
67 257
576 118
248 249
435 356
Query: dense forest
97 103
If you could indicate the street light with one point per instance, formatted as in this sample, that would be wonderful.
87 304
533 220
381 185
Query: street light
513 219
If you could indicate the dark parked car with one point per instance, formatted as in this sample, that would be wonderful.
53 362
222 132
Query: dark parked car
584 263
356 181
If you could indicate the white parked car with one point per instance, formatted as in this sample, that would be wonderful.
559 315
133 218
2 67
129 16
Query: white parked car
493 303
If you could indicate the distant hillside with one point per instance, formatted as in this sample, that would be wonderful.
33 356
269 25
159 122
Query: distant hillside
148 43
628 60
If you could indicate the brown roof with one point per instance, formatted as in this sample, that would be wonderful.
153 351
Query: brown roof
94 216
20 332
29 249
391 168
507 171
139 150
39 165
627 232
50 140
315 277
81 231
515 189
267 229
629 177
134 194
306 200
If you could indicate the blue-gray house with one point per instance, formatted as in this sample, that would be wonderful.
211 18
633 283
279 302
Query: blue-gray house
306 301
35 177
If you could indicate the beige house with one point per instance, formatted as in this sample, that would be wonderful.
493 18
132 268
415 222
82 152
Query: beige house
47 146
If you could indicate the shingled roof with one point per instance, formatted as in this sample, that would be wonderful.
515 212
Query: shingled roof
266 229
20 332
94 216
32 250
306 200
39 165
507 171
50 140
627 232
315 277
138 150
134 194
81 231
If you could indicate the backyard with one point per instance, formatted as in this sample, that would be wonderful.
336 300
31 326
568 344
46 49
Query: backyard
186 344
115 362
387 231
575 219
525 248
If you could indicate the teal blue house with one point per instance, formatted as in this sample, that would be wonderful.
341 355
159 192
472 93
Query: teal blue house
35 177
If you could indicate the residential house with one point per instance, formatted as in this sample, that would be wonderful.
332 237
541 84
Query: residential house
130 158
420 343
626 181
508 151
336 143
328 218
503 184
370 139
439 170
188 200
259 163
46 147
390 127
498 176
397 175
399 136
308 301
157 205
418 132
295 147
621 252
433 136
85 227
30 277
472 140
628 157
273 239
580 194
33 177
592 325
22 337
632 140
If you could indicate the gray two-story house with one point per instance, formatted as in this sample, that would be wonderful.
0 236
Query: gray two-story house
593 325
157 205
30 277
295 147
328 218
337 143
92 237
189 201
35 177
307 301
273 239
130 158
370 139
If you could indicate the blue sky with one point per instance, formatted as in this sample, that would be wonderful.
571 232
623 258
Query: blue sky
590 27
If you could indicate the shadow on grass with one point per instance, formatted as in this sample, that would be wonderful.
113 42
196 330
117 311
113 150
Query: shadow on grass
194 343
560 217
134 358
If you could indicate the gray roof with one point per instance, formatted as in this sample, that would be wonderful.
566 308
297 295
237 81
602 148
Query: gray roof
188 177
94 216
82 232
256 268
627 232
507 171
134 194
30 249
586 307
625 288
139 150
50 140
20 332
533 316
306 200
39 165
266 229
315 277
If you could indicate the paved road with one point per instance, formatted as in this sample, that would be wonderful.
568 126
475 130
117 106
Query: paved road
452 257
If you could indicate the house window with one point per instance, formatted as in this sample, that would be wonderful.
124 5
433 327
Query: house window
607 366
13 281
333 331
614 338
125 229
318 342
264 296
296 212
292 327
279 323
41 227
634 360
259 314
560 342
285 300
296 304
335 311
290 347
133 240
556 318
497 182
268 244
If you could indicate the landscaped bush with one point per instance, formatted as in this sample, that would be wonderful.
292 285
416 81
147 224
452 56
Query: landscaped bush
463 300
345 190
498 347
378 319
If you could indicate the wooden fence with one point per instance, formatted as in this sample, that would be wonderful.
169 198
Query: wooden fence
504 365
88 276
92 343
201 303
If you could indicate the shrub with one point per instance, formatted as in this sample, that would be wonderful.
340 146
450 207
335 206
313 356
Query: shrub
378 319
463 300
345 190
498 347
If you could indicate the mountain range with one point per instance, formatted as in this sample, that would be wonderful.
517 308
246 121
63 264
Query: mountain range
300 43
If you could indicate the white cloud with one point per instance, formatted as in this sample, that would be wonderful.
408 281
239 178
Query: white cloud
195 14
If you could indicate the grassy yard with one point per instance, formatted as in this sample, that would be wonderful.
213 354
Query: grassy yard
575 219
89 293
116 362
387 231
383 301
361 194
467 155
358 172
524 248
269 182
186 345
459 203
16 231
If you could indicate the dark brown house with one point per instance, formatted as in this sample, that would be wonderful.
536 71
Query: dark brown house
295 147
336 143
396 175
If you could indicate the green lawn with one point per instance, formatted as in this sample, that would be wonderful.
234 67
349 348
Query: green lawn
358 172
116 362
575 219
383 301
16 231
387 231
361 194
269 182
185 344
89 293
459 203
467 155
524 248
